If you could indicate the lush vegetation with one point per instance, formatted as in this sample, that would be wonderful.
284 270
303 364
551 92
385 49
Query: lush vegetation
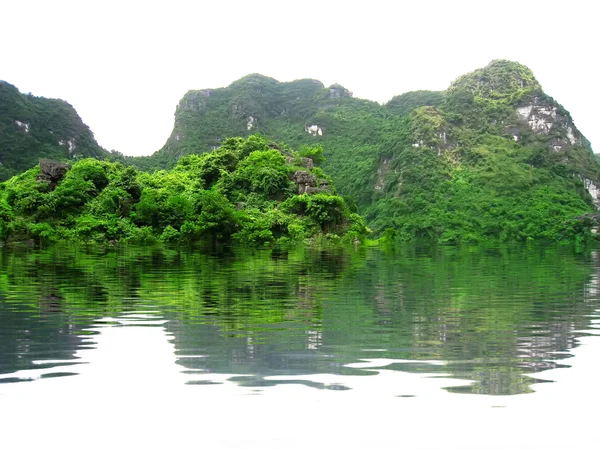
35 127
439 198
466 164
242 191
405 103
459 165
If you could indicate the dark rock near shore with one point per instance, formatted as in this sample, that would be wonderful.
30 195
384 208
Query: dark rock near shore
52 172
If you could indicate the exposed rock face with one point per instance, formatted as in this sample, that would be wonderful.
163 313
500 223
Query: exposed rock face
314 130
304 162
240 109
304 181
324 186
382 171
52 172
23 125
594 191
54 169
308 184
194 101
338 91
543 116
307 162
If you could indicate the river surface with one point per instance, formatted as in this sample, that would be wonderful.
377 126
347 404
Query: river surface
410 347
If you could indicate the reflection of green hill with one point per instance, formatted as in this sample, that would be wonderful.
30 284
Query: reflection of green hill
28 335
493 315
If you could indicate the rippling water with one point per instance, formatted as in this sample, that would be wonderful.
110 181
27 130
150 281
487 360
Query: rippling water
300 348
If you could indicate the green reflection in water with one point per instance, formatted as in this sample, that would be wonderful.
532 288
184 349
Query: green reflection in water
491 315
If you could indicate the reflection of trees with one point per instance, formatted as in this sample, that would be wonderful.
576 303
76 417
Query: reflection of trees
232 294
493 315
35 335
592 288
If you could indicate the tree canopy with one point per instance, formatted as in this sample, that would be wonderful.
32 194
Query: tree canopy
243 192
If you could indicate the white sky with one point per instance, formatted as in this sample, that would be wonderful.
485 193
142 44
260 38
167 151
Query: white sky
124 65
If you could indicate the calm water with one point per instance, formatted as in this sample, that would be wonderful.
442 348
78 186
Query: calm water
432 347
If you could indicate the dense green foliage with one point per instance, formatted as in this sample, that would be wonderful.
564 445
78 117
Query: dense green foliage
205 118
438 198
488 95
35 127
491 158
405 103
459 165
242 191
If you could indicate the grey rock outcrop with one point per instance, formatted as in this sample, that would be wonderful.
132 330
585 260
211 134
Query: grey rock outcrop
308 184
307 162
52 171
304 162
338 91
305 181
324 186
544 116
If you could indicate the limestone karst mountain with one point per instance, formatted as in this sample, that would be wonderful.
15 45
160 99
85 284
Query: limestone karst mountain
493 157
36 127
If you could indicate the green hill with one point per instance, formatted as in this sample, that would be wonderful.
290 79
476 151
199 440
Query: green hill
491 158
35 127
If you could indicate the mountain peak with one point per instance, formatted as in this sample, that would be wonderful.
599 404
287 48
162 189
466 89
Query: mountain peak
338 91
500 81
254 79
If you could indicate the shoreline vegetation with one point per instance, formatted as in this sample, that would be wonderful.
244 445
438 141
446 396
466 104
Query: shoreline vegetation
255 192
248 191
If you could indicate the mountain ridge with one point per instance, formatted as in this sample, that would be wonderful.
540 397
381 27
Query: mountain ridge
491 157
37 127
374 151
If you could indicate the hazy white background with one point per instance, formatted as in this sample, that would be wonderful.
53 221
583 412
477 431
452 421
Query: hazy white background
124 65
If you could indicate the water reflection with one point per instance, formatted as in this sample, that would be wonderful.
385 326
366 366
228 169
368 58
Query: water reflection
482 320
